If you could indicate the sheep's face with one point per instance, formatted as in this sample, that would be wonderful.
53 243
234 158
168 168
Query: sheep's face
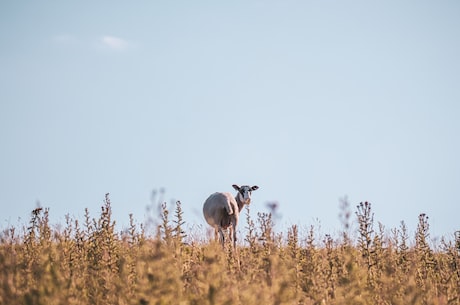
244 192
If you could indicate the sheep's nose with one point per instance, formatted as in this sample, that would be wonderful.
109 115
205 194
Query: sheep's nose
248 200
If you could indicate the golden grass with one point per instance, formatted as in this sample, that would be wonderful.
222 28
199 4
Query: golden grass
91 263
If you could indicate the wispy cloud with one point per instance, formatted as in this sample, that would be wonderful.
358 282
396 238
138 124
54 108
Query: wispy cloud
115 43
106 42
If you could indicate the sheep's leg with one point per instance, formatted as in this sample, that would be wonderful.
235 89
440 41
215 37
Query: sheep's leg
233 232
222 236
230 233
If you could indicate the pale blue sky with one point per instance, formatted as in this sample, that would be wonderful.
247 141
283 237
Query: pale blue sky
310 100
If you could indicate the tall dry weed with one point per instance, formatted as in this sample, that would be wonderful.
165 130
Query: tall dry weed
93 263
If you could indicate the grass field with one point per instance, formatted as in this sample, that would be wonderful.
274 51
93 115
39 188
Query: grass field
89 262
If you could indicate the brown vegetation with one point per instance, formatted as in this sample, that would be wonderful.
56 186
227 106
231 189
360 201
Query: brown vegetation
91 263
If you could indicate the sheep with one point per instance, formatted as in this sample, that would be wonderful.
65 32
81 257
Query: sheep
221 210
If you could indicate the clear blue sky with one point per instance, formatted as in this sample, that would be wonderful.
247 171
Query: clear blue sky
310 100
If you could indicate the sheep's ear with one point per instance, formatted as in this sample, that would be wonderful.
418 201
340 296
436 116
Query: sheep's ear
255 187
236 187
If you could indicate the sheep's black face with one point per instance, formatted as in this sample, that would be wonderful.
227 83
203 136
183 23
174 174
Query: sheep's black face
245 192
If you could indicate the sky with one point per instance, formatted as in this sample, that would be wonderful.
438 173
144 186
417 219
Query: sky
313 101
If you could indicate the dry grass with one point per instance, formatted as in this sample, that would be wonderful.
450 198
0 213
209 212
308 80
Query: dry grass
91 263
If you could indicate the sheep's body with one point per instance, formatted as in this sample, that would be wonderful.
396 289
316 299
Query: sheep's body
219 208
222 210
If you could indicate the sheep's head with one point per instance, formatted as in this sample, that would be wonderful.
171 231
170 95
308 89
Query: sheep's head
244 192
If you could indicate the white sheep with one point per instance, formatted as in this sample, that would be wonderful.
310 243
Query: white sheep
221 210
